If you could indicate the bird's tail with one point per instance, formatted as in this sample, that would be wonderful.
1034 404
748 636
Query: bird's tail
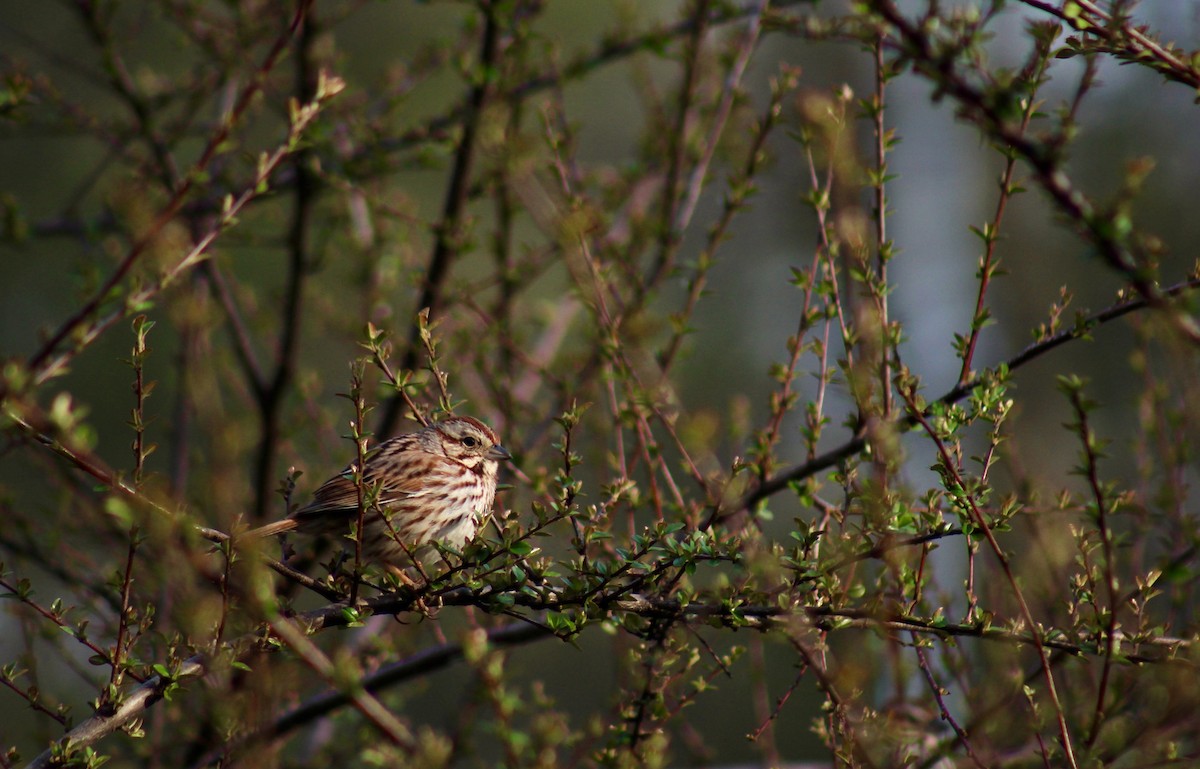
270 530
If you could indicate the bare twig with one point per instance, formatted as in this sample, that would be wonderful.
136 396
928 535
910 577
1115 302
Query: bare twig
43 364
832 457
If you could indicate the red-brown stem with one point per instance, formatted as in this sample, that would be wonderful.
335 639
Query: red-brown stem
987 266
1110 579
936 690
886 349
979 520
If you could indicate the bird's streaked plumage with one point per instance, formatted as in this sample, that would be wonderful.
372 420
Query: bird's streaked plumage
434 485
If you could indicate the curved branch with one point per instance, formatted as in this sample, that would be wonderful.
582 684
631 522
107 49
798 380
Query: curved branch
132 706
419 664
1126 41
834 456
1116 246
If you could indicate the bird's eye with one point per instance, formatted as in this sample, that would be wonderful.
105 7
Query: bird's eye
470 442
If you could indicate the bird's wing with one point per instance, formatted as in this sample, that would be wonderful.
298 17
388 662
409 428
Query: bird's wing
400 475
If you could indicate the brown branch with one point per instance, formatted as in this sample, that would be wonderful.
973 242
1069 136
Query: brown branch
40 363
448 231
1118 250
371 708
953 479
1137 47
271 397
838 454
1104 505
936 690
131 706
1160 649
669 235
389 675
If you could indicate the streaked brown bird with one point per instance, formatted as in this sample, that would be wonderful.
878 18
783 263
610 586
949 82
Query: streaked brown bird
435 485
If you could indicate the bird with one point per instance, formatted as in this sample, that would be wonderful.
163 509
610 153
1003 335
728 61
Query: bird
435 485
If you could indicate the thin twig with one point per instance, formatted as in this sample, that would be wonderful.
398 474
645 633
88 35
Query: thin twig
42 363
849 448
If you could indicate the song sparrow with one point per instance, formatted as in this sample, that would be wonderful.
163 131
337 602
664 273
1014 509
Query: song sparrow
434 485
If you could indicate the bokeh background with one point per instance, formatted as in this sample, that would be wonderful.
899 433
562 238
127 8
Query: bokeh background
63 187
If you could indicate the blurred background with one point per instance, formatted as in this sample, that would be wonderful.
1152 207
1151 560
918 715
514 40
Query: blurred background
71 191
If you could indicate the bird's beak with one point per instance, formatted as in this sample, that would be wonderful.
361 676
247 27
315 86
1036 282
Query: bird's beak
498 453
